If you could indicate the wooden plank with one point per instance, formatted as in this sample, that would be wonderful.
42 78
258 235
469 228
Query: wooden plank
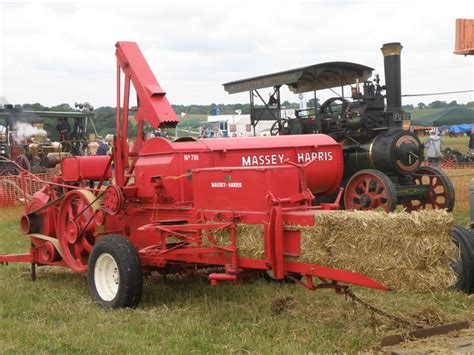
423 333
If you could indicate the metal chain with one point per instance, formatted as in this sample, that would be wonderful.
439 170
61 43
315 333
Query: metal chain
397 319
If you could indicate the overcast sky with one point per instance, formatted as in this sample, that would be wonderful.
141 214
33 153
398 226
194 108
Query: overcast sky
62 52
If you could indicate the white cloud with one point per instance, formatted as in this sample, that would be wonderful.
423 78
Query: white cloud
54 52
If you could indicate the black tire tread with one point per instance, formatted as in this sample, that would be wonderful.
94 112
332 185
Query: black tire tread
130 271
465 240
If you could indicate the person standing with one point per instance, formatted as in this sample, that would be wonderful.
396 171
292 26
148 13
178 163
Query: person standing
471 141
433 146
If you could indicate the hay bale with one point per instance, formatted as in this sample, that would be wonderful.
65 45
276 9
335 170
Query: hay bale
404 251
249 238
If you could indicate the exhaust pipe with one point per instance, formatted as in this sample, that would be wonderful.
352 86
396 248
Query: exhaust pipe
393 81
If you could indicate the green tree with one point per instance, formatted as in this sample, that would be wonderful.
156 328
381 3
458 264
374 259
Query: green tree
438 104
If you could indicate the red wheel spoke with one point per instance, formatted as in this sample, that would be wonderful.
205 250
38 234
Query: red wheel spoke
370 189
86 245
77 250
76 224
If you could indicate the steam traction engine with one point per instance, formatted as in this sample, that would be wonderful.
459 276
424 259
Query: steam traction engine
29 150
169 205
381 159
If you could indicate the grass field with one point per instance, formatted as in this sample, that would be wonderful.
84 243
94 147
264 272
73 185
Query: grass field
186 315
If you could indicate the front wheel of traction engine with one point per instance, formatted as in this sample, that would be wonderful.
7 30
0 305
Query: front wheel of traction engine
370 189
114 274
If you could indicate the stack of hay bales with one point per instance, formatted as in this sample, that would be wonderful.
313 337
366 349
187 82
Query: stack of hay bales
403 251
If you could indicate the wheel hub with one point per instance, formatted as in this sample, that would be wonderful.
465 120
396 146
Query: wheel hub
365 201
72 232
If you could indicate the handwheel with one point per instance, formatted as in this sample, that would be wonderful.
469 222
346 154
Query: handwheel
75 228
440 193
115 276
279 127
370 190
327 107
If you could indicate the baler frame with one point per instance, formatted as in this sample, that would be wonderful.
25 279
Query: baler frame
73 221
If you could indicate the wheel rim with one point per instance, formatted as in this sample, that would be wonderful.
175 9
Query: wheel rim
440 193
448 162
76 227
106 277
370 191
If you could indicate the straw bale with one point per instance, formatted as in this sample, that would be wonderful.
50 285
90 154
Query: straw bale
249 237
404 251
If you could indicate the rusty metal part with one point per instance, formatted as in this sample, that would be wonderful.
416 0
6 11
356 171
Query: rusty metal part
424 333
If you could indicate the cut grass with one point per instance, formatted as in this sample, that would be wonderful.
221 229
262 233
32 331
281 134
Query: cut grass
181 315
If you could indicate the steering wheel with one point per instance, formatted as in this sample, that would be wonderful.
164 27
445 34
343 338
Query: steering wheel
326 107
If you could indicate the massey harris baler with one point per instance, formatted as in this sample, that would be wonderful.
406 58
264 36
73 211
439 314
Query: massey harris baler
175 206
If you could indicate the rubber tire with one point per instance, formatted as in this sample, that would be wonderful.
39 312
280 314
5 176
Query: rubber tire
465 240
130 271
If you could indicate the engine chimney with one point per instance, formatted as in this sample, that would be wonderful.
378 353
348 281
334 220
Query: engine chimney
393 81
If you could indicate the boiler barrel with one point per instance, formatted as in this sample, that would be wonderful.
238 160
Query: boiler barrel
396 151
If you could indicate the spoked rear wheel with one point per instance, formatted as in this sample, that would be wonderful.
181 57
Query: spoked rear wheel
449 161
115 276
440 193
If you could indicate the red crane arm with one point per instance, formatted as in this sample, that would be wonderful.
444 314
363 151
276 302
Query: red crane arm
153 106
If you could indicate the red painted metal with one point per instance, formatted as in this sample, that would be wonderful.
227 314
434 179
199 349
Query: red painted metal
179 203
6 198
85 168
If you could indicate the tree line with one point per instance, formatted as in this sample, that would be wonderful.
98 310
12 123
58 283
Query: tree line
104 116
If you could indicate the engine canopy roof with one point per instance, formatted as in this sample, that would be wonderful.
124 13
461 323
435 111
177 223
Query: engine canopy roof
310 78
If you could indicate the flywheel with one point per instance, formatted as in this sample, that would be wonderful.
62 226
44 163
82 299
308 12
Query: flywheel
76 227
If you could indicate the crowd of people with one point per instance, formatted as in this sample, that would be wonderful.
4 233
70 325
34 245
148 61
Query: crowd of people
210 132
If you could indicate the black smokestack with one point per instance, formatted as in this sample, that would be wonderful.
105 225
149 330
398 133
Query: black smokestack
393 80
